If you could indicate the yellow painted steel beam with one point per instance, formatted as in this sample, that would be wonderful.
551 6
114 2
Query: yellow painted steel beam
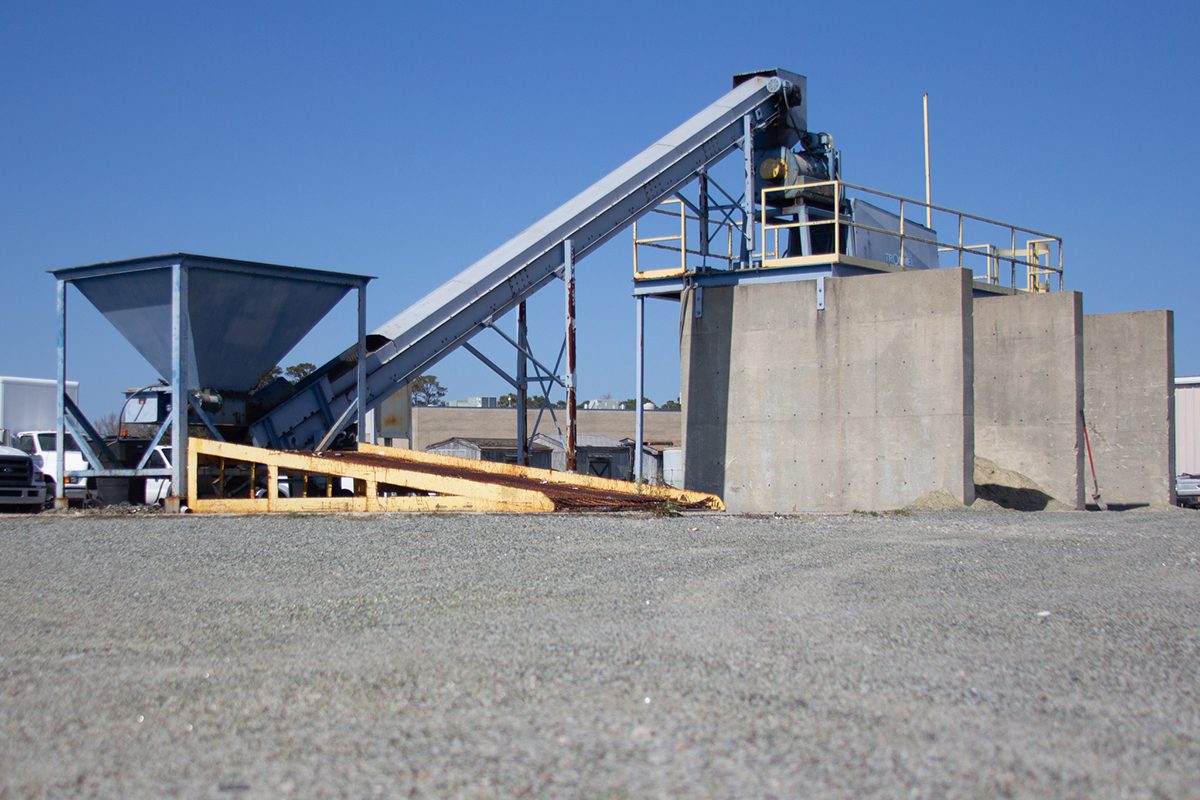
261 505
550 476
510 498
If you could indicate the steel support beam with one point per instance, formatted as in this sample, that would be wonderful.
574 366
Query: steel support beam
179 386
60 425
487 362
639 391
569 281
748 197
522 385
360 391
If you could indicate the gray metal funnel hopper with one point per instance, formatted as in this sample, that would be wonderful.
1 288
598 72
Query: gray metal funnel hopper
242 317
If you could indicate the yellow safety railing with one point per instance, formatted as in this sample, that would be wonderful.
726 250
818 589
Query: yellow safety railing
1040 255
678 242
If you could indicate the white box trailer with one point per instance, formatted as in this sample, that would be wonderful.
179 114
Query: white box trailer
1187 425
28 404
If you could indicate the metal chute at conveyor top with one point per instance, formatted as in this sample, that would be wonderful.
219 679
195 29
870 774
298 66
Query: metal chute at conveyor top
771 101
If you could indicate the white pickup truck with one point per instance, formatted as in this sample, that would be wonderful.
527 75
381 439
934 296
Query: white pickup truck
21 482
42 446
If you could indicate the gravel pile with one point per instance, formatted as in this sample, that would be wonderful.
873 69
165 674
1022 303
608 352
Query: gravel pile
925 654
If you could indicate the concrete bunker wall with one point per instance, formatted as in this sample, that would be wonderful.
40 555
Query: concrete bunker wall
1029 388
1129 376
866 404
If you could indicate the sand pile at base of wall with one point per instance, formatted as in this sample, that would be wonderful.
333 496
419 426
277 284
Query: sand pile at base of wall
1012 490
937 500
996 488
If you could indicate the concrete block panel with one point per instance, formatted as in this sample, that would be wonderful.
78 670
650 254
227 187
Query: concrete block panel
1029 388
1129 377
865 405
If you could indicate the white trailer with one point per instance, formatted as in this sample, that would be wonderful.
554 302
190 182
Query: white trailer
1187 425
28 404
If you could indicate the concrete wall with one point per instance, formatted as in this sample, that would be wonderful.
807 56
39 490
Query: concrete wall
1029 388
864 405
432 425
1129 376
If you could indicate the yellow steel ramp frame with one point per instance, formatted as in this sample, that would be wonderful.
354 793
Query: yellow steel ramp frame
663 493
452 494
446 483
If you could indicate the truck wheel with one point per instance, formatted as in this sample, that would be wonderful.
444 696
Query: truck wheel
50 492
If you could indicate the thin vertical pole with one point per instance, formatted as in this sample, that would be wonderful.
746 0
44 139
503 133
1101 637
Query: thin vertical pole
704 232
569 280
361 389
748 155
60 497
928 194
639 392
522 385
179 386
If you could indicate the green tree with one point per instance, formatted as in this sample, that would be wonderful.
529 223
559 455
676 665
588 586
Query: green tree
427 391
671 405
507 400
297 372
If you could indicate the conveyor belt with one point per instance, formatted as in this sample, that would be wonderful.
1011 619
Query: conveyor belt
461 307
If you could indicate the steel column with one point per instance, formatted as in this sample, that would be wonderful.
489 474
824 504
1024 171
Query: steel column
748 198
60 497
569 280
179 386
361 390
640 391
522 385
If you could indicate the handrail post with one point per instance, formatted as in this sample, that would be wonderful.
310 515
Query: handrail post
837 219
960 239
902 264
682 237
1012 258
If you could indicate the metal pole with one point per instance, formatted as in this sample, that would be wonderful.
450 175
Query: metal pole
569 280
639 392
60 497
179 387
522 385
928 195
704 237
748 155
361 390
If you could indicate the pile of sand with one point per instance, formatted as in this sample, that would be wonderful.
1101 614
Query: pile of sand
996 488
1009 489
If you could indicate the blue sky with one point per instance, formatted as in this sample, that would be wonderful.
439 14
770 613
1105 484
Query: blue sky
406 140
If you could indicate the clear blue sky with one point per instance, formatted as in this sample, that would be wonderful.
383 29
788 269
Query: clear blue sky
405 140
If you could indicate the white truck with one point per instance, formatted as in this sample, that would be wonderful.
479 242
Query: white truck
42 446
28 415
21 482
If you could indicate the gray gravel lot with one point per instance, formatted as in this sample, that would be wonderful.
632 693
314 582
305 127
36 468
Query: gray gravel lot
926 655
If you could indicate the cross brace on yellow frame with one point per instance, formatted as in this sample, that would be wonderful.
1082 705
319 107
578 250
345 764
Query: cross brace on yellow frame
415 481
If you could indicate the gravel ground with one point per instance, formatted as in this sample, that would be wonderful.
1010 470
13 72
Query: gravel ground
928 655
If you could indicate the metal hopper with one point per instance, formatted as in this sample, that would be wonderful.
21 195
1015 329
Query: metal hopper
243 317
